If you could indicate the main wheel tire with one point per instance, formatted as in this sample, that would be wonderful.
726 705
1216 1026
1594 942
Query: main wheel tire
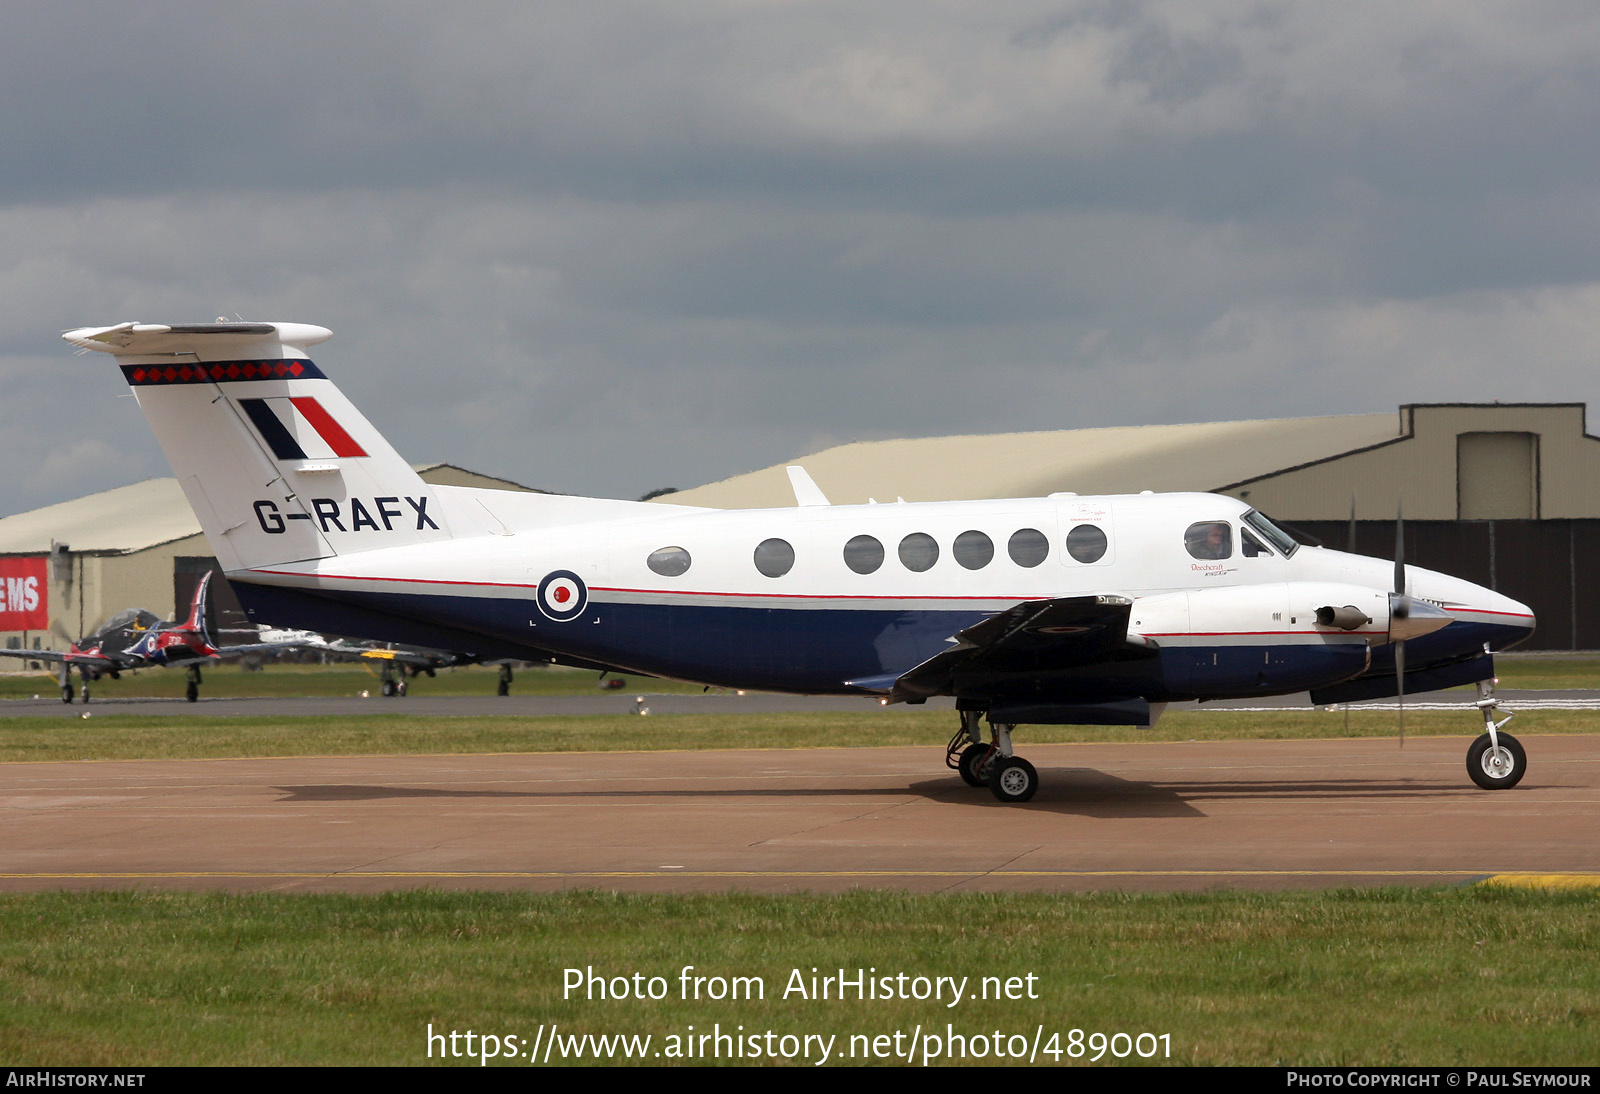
1497 769
503 689
976 764
66 693
388 689
192 692
400 689
1013 780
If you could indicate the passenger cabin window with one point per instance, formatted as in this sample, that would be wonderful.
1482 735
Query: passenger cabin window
974 550
1209 539
1028 547
669 561
774 557
1250 545
863 554
918 552
1086 543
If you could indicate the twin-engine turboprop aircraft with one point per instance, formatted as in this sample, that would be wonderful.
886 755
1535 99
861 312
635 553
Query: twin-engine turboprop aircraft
1062 610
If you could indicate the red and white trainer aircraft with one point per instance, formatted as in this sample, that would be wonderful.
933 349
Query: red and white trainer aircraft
1058 610
137 638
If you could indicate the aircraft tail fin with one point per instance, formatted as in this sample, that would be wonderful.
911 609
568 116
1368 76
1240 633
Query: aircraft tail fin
197 610
277 464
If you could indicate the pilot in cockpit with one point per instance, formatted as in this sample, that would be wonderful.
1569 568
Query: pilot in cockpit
1211 539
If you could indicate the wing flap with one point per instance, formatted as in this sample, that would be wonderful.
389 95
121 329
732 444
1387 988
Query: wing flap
1036 634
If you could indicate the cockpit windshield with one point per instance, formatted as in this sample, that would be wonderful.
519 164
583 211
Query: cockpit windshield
137 619
1283 541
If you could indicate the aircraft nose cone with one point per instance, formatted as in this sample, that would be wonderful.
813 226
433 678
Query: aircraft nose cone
1521 617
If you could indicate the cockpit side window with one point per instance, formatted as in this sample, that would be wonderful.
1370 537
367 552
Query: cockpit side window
1250 545
1283 541
1209 539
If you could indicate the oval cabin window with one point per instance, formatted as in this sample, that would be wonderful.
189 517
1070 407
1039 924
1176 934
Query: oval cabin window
918 552
774 557
974 550
1086 543
1028 547
863 554
669 561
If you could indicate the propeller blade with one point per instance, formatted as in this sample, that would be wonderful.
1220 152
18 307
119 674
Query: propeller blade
1400 612
1400 686
1399 552
1350 538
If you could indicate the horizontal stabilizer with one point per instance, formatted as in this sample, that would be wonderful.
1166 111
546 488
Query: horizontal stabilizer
277 464
203 340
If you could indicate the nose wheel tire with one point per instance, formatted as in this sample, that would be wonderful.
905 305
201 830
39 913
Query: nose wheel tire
976 764
1497 768
1013 779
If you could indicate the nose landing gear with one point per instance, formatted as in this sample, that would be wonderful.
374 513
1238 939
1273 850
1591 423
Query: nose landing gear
1496 761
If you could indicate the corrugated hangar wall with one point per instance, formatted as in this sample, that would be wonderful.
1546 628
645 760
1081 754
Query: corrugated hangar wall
1502 495
1553 566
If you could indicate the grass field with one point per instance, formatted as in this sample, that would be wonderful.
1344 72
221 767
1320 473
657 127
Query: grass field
282 680
1384 977
1350 977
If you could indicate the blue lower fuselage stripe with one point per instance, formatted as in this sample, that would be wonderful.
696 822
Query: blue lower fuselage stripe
815 651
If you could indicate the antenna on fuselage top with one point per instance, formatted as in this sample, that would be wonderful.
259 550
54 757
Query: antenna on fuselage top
806 491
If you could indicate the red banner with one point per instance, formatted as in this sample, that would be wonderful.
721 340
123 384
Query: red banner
24 592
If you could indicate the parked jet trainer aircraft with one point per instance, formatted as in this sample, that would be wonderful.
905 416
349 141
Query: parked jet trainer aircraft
1073 610
139 639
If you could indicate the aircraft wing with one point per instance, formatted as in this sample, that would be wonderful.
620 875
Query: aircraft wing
404 656
1031 636
76 660
408 657
225 653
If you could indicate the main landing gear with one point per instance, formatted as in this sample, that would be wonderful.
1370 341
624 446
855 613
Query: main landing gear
66 685
394 684
1009 777
1496 760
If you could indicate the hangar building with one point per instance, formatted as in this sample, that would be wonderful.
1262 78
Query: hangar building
1503 494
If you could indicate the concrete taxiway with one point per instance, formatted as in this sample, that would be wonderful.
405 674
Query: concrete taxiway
1194 815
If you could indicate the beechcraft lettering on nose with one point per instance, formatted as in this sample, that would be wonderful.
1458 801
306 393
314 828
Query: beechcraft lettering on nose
349 515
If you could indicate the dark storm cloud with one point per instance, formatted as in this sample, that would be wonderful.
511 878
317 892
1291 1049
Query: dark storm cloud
609 247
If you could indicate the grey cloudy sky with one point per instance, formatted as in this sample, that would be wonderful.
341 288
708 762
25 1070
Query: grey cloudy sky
605 247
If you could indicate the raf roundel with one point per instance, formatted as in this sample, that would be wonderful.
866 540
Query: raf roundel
562 595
